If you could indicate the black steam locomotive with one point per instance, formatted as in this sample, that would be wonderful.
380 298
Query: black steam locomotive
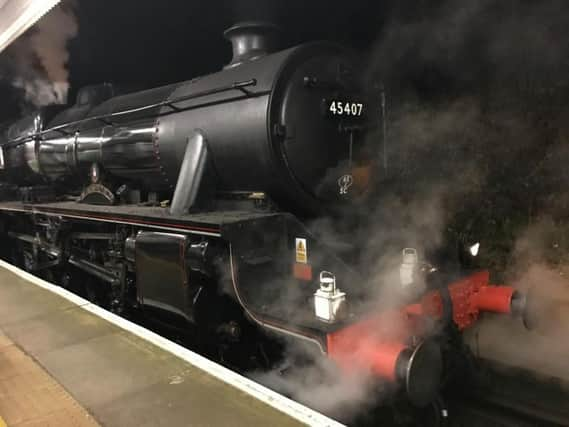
189 201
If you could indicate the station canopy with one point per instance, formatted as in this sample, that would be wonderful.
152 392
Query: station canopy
16 16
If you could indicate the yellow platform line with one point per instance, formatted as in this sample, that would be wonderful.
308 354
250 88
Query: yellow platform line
2 422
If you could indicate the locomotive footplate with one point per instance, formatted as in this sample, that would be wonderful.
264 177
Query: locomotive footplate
260 244
159 218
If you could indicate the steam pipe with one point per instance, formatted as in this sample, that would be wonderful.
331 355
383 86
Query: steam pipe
191 174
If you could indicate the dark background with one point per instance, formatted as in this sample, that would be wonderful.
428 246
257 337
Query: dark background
146 43
151 43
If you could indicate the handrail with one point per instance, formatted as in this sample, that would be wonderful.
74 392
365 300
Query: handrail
241 86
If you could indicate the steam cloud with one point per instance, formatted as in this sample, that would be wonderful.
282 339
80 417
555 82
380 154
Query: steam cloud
477 126
36 63
541 266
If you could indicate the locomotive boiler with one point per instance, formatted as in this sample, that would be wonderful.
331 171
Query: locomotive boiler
265 124
190 201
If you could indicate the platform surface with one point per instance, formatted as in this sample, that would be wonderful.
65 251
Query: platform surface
29 396
107 372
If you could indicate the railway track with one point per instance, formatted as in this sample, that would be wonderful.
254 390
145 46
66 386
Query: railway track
506 396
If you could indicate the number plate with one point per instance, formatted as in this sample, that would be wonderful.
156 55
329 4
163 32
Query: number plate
344 108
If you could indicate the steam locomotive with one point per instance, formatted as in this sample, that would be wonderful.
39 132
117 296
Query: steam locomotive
191 201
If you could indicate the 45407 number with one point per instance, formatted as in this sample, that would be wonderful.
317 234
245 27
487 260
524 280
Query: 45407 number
340 108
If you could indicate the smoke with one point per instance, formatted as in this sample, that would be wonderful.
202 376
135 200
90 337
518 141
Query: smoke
440 46
477 125
36 63
315 381
478 110
387 225
539 268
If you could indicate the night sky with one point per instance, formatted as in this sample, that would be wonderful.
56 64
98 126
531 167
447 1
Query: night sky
148 43
430 47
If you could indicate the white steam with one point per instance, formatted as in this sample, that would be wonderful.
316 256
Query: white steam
38 60
320 385
455 157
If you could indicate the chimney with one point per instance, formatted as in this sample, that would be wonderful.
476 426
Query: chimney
251 40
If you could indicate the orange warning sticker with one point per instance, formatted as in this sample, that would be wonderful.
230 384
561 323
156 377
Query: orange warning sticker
301 251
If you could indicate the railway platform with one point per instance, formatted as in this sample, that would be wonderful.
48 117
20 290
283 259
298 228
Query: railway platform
67 362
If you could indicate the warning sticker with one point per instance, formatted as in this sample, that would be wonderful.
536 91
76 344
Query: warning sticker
301 251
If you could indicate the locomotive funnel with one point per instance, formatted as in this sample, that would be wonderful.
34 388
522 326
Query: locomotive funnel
251 40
